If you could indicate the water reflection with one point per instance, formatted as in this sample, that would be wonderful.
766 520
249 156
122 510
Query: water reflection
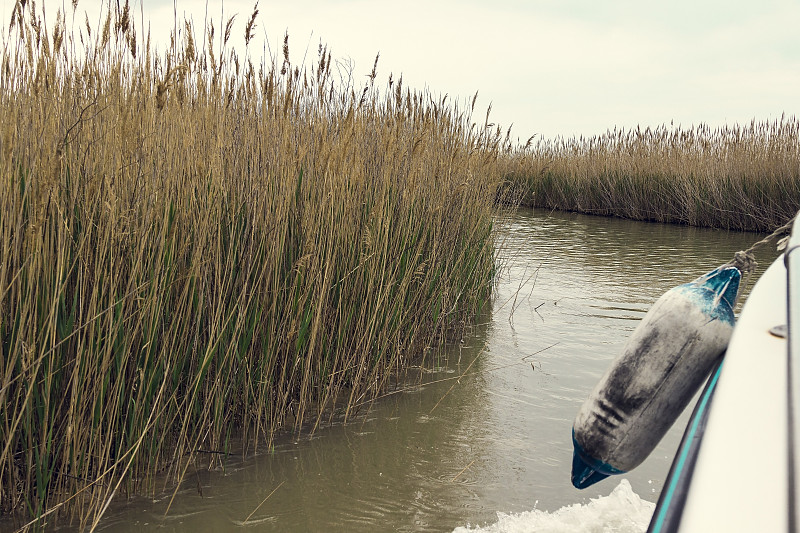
489 429
408 462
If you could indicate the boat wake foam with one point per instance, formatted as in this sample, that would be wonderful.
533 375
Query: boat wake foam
622 511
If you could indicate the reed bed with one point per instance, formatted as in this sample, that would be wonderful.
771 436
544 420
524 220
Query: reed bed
198 250
734 177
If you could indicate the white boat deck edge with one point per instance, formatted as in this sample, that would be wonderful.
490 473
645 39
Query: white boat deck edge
740 481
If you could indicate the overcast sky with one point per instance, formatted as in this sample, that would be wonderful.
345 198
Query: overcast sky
550 67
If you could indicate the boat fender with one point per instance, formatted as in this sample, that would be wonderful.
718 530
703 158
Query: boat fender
665 361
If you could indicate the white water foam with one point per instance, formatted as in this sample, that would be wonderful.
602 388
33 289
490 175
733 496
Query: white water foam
622 511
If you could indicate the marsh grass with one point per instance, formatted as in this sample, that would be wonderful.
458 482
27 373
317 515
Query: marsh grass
738 177
198 250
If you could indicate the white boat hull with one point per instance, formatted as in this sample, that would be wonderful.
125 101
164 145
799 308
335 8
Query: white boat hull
745 444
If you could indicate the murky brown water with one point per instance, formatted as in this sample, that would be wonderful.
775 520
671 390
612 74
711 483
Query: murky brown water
487 431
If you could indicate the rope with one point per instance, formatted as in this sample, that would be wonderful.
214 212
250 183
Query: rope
745 260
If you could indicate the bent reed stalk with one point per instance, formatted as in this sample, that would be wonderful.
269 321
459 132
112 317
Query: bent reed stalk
197 249
737 177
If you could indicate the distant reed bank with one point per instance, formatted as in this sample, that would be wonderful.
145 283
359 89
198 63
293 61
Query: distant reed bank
198 249
737 177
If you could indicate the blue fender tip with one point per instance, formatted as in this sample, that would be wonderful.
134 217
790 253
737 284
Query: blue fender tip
584 475
586 470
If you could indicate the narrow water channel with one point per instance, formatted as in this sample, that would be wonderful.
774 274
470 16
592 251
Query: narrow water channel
483 441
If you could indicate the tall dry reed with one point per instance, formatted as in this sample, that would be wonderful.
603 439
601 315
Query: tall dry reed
197 248
737 177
